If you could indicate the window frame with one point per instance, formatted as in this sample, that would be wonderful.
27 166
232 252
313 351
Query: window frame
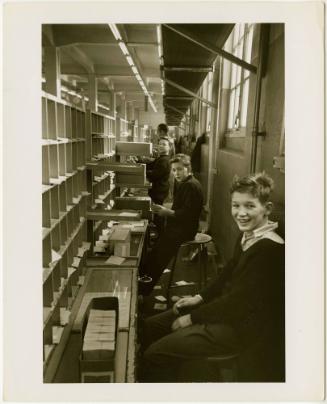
239 80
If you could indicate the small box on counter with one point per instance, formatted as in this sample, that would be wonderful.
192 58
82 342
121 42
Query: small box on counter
134 148
129 178
122 242
142 203
99 334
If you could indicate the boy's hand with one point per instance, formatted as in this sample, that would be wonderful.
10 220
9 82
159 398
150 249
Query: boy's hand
187 302
158 209
161 210
181 322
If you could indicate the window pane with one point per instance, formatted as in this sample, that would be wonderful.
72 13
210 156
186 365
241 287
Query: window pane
242 27
245 98
238 34
249 45
238 76
208 118
236 105
231 110
233 76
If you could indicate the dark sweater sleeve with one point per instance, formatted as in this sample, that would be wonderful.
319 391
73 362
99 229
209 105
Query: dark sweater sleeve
158 170
250 293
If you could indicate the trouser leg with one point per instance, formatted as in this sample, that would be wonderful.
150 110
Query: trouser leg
156 327
159 221
157 260
163 360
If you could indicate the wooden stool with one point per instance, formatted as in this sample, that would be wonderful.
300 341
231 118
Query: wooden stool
200 241
228 366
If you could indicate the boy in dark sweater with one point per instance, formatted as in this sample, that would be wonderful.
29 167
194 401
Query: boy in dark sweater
243 306
182 223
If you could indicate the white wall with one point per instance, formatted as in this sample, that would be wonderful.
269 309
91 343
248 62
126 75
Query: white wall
151 118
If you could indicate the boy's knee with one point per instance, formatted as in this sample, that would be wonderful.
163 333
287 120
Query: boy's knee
151 355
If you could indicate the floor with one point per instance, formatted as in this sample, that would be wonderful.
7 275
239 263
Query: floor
187 270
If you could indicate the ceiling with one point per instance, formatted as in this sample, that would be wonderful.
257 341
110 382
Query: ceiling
92 49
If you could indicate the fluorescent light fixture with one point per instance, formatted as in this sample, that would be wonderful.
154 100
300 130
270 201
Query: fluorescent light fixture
138 77
103 107
159 51
152 105
159 34
115 31
123 47
130 60
135 71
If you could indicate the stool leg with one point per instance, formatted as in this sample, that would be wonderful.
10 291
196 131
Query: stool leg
171 275
205 260
200 267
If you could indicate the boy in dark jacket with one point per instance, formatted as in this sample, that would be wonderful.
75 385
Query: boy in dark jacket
244 305
182 222
158 172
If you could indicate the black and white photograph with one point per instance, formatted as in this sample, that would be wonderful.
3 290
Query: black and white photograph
163 238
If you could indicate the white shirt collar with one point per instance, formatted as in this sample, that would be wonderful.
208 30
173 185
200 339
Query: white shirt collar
265 231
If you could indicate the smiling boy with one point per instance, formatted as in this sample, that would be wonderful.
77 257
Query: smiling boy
242 308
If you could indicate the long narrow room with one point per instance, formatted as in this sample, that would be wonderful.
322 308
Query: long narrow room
130 114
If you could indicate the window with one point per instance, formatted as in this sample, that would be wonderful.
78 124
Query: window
241 46
209 109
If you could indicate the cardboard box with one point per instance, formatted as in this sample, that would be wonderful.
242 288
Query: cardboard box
133 179
120 234
134 148
122 249
97 359
142 203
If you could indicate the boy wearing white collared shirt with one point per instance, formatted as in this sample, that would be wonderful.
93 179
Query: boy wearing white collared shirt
242 308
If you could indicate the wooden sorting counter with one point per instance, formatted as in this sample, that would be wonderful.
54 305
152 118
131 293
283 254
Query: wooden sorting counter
102 280
99 283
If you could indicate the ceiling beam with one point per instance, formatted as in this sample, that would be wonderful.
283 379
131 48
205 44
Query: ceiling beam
68 45
114 71
195 69
176 110
185 90
136 44
212 48
137 64
47 35
81 58
178 97
106 70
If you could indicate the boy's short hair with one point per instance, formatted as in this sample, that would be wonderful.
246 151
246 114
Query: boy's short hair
163 127
259 185
182 158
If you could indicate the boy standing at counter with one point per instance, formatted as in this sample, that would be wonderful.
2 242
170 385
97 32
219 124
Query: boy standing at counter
158 172
242 306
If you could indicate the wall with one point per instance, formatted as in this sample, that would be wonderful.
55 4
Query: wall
230 162
151 119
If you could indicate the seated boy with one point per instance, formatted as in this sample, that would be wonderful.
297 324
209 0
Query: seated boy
182 222
243 305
